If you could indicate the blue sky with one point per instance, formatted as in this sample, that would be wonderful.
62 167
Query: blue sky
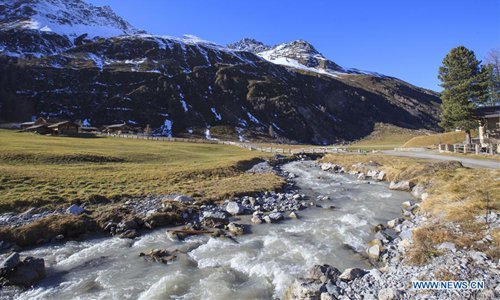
405 38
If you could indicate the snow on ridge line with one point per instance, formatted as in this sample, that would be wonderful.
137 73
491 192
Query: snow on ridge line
292 63
70 18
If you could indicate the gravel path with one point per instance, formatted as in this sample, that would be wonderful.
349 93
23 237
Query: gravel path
467 162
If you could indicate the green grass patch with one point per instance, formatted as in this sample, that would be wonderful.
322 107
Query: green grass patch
52 171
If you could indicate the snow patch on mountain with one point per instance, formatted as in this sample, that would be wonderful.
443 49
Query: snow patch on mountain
71 18
249 45
216 114
298 54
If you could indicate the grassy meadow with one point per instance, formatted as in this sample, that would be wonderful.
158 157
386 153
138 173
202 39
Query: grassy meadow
53 171
384 137
431 140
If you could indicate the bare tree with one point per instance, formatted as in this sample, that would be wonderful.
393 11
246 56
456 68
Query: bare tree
492 64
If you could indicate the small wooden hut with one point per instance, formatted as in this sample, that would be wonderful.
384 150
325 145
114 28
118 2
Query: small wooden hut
64 127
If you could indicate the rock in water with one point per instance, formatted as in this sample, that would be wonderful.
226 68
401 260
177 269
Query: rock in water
10 262
372 173
129 234
273 217
75 210
352 273
361 176
235 229
373 252
323 273
408 204
394 222
234 208
217 215
159 255
326 166
257 218
401 185
27 273
303 289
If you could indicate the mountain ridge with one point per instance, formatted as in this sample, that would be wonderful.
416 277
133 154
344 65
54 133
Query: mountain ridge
188 86
71 18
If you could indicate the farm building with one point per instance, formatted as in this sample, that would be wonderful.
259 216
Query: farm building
39 121
89 129
40 129
64 127
489 125
123 128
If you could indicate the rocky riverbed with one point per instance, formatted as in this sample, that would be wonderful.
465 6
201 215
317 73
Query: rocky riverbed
389 251
281 240
257 246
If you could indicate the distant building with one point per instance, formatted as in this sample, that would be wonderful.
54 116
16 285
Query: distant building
26 125
64 127
39 121
122 128
51 126
489 124
40 129
89 129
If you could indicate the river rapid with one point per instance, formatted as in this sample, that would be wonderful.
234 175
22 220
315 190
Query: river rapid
259 265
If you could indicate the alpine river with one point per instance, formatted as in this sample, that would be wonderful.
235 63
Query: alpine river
259 265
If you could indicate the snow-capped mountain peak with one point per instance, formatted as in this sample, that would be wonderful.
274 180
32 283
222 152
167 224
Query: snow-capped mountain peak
302 55
298 54
249 45
71 18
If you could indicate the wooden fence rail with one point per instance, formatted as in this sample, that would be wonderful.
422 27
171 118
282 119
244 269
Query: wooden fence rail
249 146
491 149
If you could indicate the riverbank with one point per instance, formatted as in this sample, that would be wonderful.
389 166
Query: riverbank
334 230
452 233
280 241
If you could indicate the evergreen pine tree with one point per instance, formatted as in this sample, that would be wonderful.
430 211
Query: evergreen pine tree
465 87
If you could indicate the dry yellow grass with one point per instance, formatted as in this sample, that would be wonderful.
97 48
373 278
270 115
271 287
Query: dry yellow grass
424 240
436 139
458 193
472 155
386 136
51 171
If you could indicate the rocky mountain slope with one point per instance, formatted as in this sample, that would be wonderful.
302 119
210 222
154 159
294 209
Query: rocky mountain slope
188 86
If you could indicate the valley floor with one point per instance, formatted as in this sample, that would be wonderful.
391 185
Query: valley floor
45 171
126 186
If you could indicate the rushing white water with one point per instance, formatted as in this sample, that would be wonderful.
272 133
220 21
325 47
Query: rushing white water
259 265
